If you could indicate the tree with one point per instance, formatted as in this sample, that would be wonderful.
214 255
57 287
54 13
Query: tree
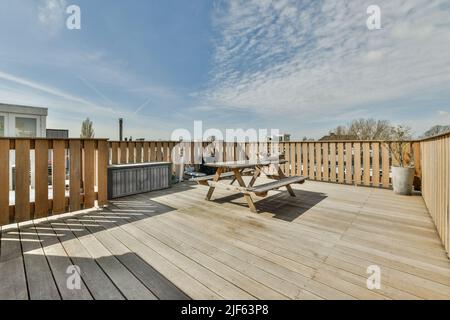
87 130
400 140
435 130
365 129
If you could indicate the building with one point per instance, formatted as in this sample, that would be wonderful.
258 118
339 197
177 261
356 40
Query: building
280 138
22 121
57 134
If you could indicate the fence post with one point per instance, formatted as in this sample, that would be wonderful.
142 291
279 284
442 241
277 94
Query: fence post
102 172
4 181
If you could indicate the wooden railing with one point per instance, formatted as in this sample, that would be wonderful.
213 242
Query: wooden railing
140 151
435 159
365 163
42 177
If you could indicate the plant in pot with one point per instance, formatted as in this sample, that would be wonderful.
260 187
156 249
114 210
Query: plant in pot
403 166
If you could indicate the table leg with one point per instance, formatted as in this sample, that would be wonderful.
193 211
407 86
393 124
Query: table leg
234 179
216 178
247 196
288 187
255 176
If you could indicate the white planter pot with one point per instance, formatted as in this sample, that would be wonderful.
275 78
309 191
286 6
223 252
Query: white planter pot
402 180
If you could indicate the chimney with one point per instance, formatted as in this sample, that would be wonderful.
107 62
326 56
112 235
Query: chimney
120 129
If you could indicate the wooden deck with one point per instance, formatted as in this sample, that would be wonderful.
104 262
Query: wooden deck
173 244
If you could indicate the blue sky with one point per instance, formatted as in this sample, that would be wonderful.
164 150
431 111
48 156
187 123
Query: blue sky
299 66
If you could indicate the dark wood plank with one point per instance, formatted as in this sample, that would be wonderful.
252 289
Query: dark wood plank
60 264
122 278
102 173
98 283
59 176
41 284
41 179
89 173
147 275
4 181
13 284
22 192
75 172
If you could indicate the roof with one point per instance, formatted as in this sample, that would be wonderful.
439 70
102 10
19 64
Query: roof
12 108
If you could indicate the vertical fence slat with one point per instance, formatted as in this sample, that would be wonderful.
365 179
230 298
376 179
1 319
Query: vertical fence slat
159 155
292 160
348 163
298 153
22 192
357 163
318 147
305 172
385 166
123 152
287 155
88 185
4 181
138 152
152 151
75 171
165 148
102 192
311 161
366 163
145 149
326 168
407 155
131 152
333 162
59 177
114 153
417 165
41 178
340 146
376 164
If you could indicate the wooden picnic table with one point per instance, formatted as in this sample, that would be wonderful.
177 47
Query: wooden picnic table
253 167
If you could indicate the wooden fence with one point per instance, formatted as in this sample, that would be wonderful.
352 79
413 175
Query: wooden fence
435 159
365 163
50 176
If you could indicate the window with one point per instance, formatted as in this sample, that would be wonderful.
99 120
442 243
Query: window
2 126
26 127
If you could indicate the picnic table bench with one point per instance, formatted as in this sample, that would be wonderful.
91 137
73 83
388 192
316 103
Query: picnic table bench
247 167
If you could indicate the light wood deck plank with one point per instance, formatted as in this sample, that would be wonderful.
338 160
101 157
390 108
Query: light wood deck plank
172 244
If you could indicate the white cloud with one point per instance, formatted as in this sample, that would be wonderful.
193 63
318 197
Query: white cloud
51 14
443 113
49 90
315 58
